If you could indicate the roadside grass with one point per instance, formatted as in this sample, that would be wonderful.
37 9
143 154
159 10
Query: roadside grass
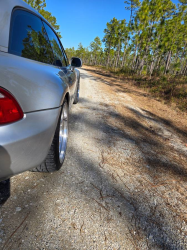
171 89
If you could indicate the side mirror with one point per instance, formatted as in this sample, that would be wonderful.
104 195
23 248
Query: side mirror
76 62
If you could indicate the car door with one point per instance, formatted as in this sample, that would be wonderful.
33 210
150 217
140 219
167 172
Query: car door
61 60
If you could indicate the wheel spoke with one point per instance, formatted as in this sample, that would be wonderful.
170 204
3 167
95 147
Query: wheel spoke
63 133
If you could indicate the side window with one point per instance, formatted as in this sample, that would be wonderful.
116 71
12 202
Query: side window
28 38
56 46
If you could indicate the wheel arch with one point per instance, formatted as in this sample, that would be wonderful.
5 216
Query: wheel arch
67 97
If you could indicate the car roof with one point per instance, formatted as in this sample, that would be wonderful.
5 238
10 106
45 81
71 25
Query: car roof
6 8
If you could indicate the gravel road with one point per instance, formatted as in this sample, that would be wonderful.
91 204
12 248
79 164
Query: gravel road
122 186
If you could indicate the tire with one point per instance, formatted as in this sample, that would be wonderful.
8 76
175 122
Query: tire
56 155
4 191
76 100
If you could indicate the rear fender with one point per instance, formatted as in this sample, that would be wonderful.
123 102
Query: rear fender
36 86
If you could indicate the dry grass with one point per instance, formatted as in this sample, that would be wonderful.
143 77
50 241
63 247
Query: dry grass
169 114
171 89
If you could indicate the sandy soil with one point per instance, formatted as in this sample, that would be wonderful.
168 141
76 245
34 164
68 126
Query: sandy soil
123 183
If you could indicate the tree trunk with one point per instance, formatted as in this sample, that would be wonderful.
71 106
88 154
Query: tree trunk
108 58
153 64
123 59
141 66
134 59
167 62
157 66
182 61
152 67
118 55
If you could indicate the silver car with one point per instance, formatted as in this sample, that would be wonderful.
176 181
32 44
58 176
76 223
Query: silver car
37 88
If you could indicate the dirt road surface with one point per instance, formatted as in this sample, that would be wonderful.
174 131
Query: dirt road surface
123 183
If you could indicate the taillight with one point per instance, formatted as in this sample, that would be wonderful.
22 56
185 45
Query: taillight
10 110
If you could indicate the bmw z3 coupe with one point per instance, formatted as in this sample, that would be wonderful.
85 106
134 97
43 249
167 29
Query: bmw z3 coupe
38 86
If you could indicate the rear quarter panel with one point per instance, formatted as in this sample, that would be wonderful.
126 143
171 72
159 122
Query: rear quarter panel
35 85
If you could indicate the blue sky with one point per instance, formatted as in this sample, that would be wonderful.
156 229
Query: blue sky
83 20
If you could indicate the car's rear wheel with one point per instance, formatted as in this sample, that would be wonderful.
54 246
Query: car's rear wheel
4 191
56 155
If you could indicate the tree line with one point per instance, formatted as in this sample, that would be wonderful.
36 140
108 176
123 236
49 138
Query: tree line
153 42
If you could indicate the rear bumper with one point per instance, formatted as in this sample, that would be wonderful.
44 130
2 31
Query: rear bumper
25 144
